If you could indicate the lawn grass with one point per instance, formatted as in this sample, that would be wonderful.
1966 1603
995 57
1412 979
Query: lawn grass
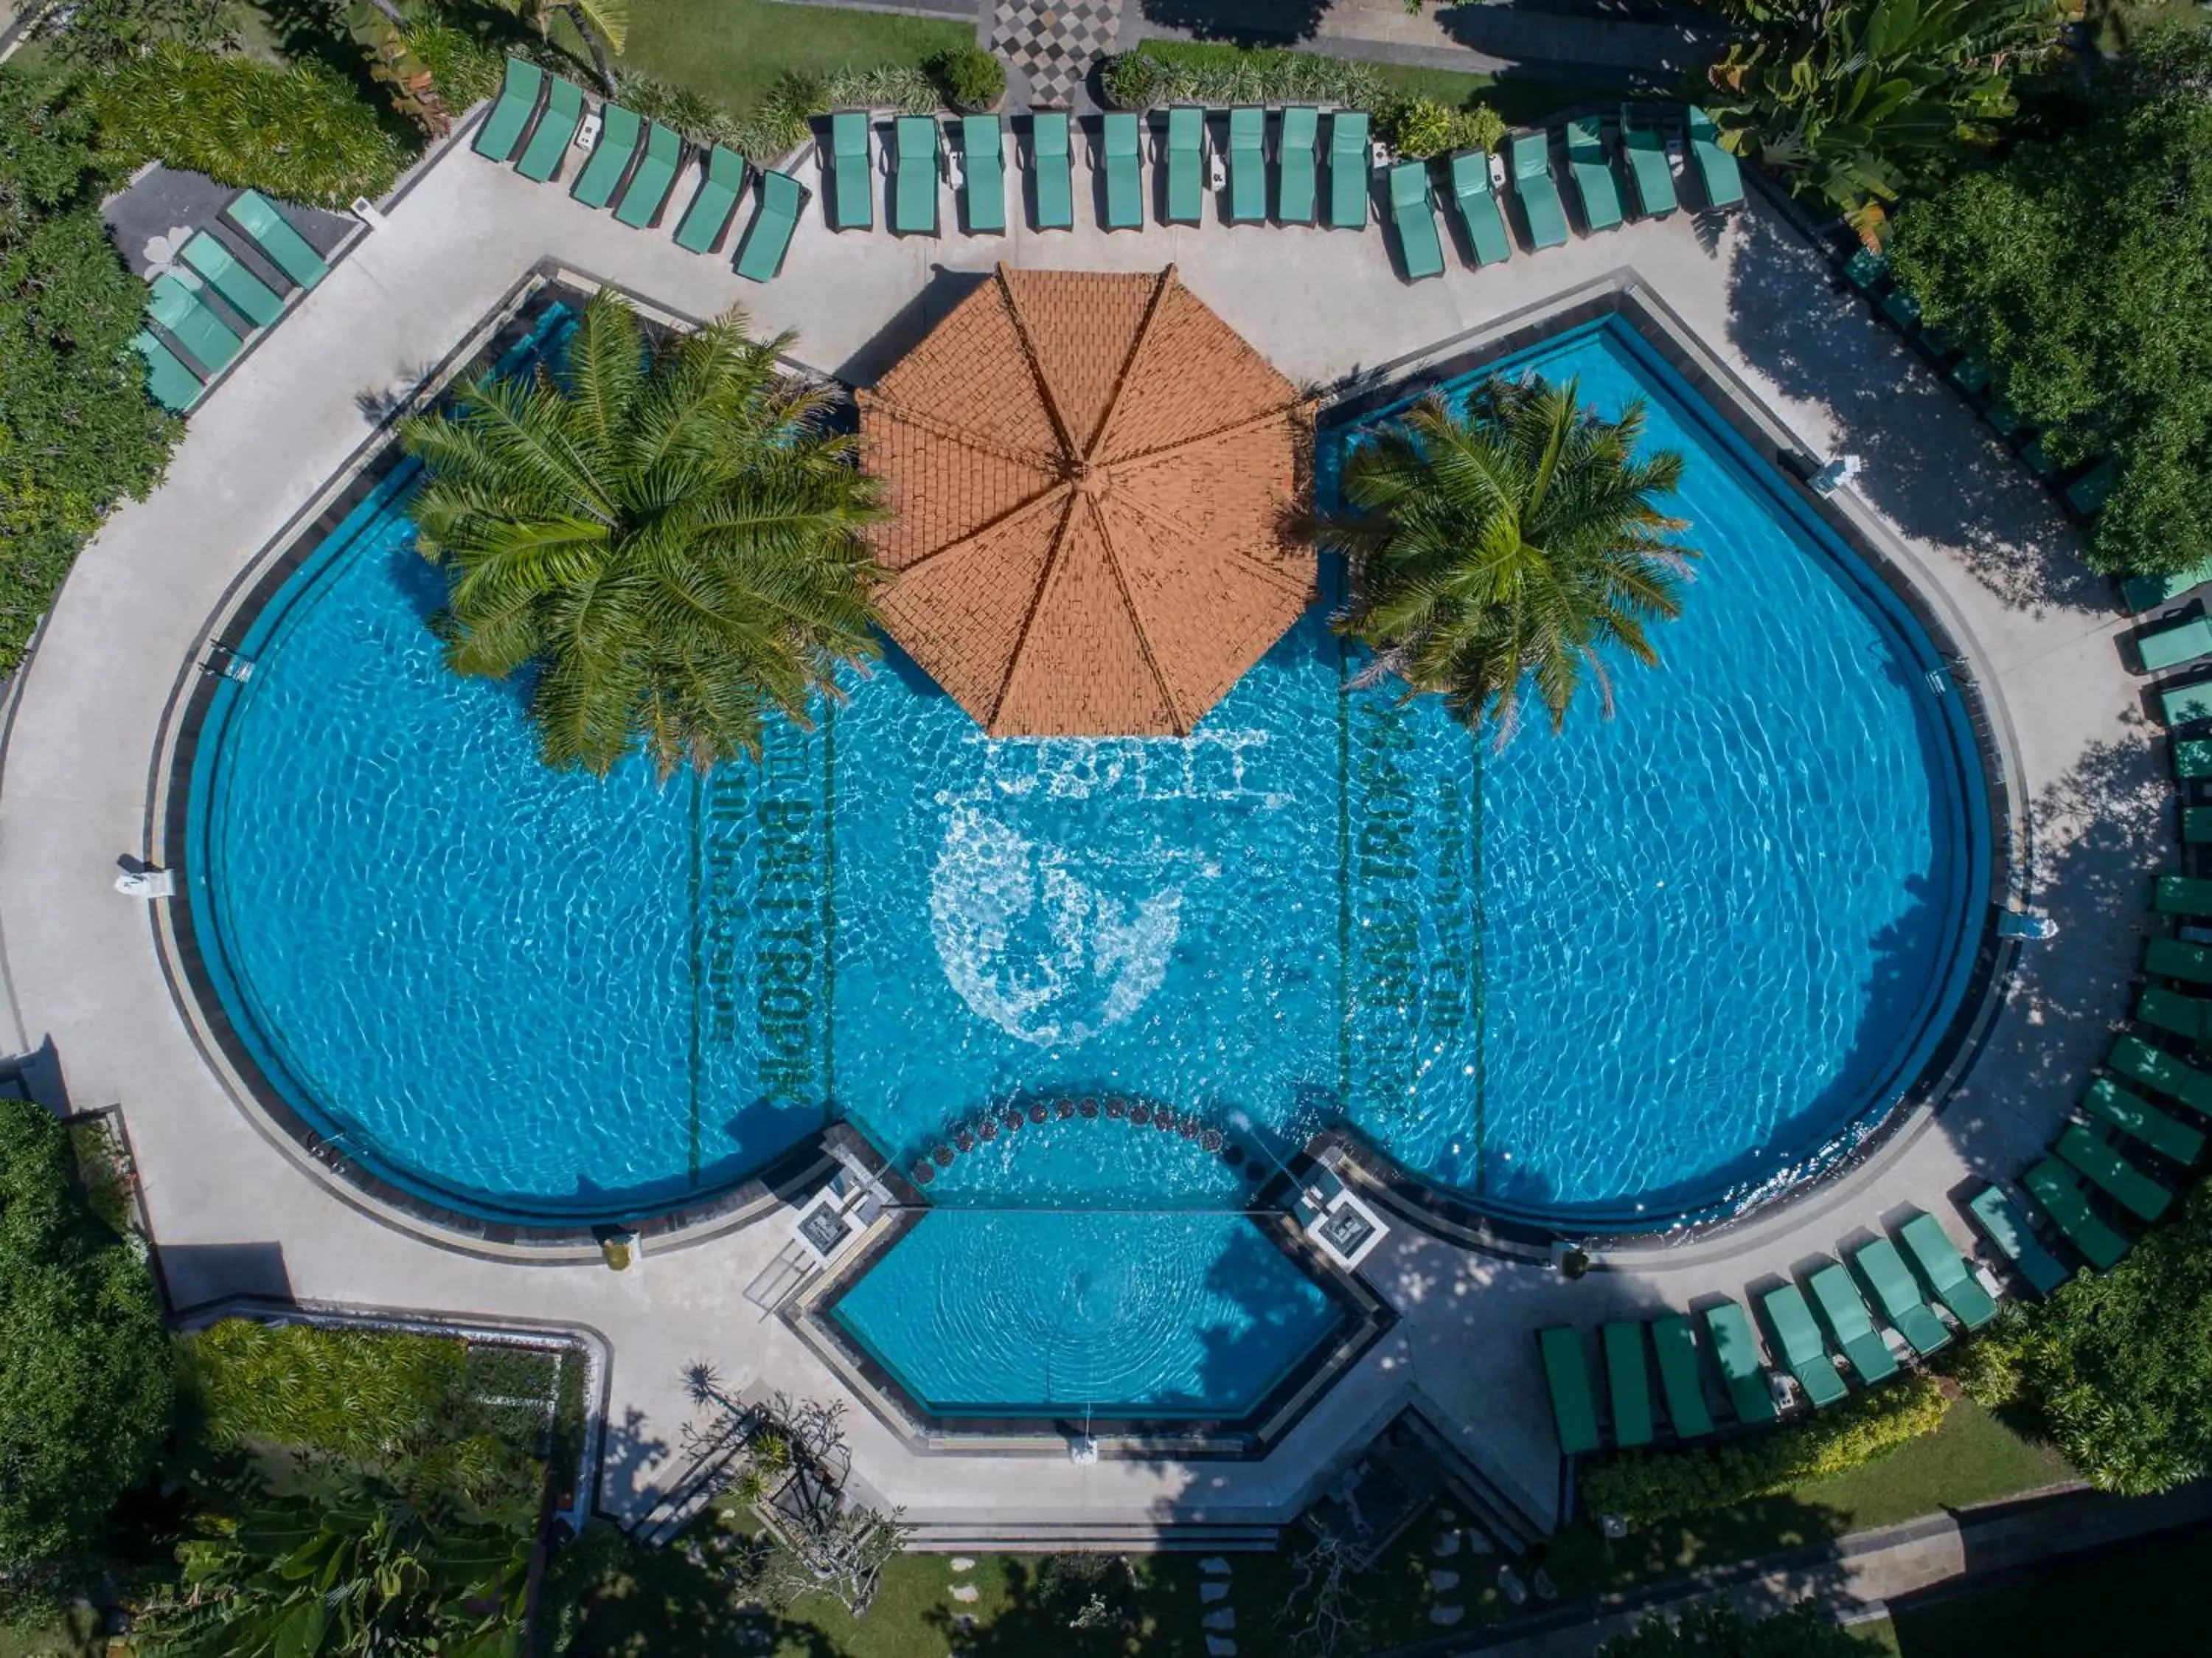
730 51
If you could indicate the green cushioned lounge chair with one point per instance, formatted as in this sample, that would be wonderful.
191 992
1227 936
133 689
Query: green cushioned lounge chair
2186 704
716 203
2183 895
1588 165
914 181
1736 1350
1477 207
1970 376
1122 144
1716 169
168 382
1052 170
1647 166
1566 1373
2038 460
619 130
1999 1220
272 233
1348 170
2139 1119
206 338
768 239
2173 1012
1297 163
1803 1353
1539 192
1946 1271
2176 643
852 172
1628 1382
1901 311
2149 592
1852 1325
2196 824
1883 1271
245 293
646 192
2170 957
2087 494
556 131
2119 1178
1866 270
1675 1339
1185 164
1247 166
2192 760
2004 420
1419 244
518 101
2058 1191
983 173
2135 1059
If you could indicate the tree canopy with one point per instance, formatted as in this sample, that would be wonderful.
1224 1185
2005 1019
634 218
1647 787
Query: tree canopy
2076 268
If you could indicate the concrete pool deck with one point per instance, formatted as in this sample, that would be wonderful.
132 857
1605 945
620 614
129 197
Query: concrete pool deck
236 1212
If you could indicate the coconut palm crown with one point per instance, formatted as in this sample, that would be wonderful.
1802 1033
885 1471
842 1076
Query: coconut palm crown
1502 550
666 529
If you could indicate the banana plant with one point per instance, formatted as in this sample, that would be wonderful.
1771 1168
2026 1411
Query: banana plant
604 25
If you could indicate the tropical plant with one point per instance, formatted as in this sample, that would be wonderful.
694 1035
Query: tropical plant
970 77
1509 543
1421 127
1205 72
1716 1629
394 63
102 32
669 532
603 24
1845 99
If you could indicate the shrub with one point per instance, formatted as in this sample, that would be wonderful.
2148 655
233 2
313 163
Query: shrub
970 77
1133 81
1716 1629
300 133
685 111
1187 72
1644 1487
1421 127
467 67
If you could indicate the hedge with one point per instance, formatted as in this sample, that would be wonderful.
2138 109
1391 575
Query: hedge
1188 72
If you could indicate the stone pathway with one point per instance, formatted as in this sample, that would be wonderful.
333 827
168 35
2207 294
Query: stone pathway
1218 1624
1055 43
1444 1581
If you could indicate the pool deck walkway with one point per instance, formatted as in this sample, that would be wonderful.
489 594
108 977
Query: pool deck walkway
237 1212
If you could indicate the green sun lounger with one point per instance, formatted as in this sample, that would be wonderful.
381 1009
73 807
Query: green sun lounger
1628 1383
1566 1373
1675 1341
1297 163
2186 704
1593 174
272 233
1348 170
2087 494
1185 162
1716 169
1999 1220
1421 247
206 337
1477 207
1052 170
1735 1349
2170 957
2172 1011
619 130
168 382
1539 191
914 181
1121 142
1804 1355
2137 1060
2149 592
2139 1119
983 173
1852 1325
2196 824
1866 270
2004 420
1883 1271
2119 1178
768 239
556 131
716 203
2192 760
2183 895
245 293
2057 1190
1647 166
1247 166
851 173
2177 642
1946 1271
518 101
1970 376
646 192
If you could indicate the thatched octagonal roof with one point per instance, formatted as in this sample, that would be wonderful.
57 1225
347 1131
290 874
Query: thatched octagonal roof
1094 483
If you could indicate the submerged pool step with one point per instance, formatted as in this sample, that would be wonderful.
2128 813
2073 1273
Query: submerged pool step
1138 1538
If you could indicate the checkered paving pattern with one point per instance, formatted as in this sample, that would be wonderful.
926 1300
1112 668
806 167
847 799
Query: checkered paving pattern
1055 42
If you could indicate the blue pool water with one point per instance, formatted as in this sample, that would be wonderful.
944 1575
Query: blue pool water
1649 965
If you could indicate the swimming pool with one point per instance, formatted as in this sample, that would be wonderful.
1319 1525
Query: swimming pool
1657 965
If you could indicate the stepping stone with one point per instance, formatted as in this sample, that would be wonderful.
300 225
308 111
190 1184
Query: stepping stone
1446 1614
1214 1566
965 1591
964 1622
1223 1619
1445 1546
1479 1542
1218 1647
1441 1581
1445 1516
1509 1581
962 1563
1212 1592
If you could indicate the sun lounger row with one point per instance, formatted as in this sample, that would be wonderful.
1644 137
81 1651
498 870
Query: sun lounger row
638 168
1923 1282
213 301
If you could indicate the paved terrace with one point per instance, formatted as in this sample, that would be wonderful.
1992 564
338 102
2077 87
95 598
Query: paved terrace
236 1212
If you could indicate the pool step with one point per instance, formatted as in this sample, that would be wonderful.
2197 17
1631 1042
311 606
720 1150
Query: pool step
948 1539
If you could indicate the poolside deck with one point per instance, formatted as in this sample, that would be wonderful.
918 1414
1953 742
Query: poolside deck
238 1212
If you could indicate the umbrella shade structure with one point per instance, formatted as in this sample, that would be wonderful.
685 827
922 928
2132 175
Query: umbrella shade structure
1097 489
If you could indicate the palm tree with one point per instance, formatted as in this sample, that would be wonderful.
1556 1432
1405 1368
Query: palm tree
1506 545
604 25
668 531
